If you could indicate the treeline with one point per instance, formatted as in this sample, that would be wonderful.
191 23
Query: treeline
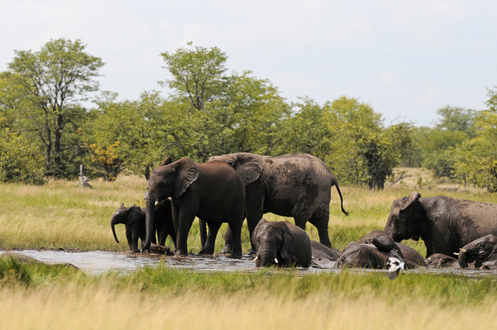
48 129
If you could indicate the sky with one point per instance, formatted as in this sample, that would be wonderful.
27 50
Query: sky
406 59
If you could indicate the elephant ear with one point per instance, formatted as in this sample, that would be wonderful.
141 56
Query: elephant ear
187 174
249 172
286 246
413 198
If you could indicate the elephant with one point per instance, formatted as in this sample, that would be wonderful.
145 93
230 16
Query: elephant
295 186
211 191
133 219
444 224
323 256
374 250
439 260
480 251
281 243
384 243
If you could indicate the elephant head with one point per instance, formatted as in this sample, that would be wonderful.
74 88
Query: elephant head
478 251
406 218
133 219
272 242
171 180
249 167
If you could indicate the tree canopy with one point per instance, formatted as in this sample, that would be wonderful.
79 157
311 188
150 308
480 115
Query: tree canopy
48 127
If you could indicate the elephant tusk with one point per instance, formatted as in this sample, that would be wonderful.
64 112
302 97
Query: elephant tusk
275 260
156 203
255 259
456 254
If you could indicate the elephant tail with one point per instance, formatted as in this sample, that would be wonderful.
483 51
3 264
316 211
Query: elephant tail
335 183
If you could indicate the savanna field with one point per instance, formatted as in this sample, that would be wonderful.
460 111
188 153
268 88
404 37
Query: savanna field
62 215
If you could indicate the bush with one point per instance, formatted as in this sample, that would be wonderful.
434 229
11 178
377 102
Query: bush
20 160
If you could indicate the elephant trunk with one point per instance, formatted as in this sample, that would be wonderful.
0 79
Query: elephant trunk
114 222
149 221
266 257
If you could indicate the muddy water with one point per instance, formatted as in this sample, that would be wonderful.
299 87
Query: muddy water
97 262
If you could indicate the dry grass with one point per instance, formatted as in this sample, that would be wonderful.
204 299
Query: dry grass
71 307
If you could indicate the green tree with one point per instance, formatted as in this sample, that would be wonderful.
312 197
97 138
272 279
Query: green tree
197 72
54 80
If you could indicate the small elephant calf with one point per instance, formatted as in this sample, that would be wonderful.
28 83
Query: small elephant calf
133 219
482 251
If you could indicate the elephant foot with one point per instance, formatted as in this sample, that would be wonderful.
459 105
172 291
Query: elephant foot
235 255
179 253
228 249
206 252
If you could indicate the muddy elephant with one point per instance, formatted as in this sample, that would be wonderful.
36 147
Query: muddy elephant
281 243
295 186
385 243
480 251
374 250
444 224
323 256
133 219
211 191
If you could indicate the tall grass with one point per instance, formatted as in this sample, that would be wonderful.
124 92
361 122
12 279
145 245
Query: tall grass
69 307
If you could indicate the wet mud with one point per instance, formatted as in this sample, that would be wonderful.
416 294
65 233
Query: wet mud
97 262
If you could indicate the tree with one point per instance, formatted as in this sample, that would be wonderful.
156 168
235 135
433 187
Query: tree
197 72
55 79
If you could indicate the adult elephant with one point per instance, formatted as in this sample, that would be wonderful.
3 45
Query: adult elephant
444 224
133 218
281 243
295 186
211 191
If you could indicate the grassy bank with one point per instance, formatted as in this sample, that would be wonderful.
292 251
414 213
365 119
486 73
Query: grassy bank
60 297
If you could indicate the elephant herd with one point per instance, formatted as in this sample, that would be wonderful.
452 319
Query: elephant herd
232 187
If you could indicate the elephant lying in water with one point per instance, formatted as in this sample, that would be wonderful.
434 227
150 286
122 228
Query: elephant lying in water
444 224
482 251
374 250
133 219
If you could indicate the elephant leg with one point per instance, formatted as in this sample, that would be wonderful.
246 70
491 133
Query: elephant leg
208 248
236 230
184 224
203 232
321 224
254 214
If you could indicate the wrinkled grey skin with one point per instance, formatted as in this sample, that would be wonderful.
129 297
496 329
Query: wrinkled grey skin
444 224
323 256
373 251
384 243
360 255
281 243
295 186
211 191
439 260
478 251
133 219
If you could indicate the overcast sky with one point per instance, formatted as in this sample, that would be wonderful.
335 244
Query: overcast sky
406 59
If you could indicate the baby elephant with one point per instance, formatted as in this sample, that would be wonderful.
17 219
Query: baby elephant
281 243
133 219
